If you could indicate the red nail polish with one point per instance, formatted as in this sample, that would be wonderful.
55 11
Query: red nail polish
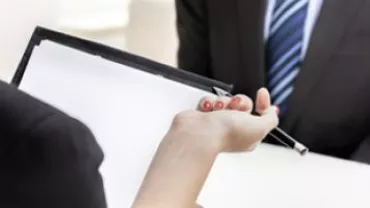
219 105
236 100
232 106
207 105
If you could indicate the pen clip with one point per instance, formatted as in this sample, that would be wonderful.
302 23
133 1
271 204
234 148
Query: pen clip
221 92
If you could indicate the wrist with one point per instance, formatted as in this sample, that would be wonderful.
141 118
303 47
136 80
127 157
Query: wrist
199 131
181 164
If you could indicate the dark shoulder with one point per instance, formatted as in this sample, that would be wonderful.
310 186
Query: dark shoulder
48 159
42 127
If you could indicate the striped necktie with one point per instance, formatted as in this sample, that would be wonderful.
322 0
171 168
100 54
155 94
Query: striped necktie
284 48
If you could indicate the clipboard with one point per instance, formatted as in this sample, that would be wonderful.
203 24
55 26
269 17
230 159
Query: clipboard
99 85
140 63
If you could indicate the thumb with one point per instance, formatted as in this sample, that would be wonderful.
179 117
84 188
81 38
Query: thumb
269 118
263 100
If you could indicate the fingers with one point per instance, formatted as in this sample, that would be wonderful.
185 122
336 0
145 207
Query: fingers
206 104
241 103
263 100
221 103
238 102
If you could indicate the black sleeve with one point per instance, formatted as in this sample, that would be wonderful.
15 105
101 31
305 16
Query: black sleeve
192 29
47 159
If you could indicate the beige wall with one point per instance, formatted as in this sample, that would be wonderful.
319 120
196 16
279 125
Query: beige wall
145 28
17 21
151 32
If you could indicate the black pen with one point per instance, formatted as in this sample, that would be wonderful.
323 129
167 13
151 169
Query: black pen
276 133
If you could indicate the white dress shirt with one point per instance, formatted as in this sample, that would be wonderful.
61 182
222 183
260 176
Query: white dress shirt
314 9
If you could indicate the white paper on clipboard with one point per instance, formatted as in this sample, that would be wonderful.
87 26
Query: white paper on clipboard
128 110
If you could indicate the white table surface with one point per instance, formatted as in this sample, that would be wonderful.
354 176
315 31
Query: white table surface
273 176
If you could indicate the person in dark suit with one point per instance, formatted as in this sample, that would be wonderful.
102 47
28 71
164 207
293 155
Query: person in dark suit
48 159
308 53
51 160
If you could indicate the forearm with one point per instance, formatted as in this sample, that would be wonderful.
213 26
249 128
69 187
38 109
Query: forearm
177 173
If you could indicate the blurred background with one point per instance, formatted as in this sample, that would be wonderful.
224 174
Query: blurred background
143 27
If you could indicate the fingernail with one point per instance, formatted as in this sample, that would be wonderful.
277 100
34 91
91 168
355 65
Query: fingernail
219 105
232 105
236 100
207 105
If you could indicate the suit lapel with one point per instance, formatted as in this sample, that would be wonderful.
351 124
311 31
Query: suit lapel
250 24
331 25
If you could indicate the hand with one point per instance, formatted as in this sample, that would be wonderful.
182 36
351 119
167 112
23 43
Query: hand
228 122
189 149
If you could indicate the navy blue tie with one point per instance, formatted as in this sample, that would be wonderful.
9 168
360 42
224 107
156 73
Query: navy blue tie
284 49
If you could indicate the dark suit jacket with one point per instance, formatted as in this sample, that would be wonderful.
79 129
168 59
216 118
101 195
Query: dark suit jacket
47 159
330 107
